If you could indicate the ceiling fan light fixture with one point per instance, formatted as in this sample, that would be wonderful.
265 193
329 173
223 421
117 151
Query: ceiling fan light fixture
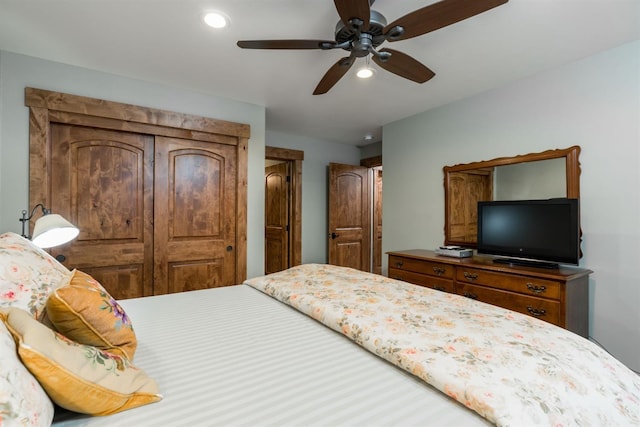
365 72
216 19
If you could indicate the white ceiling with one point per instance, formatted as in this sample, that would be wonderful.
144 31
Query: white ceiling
164 41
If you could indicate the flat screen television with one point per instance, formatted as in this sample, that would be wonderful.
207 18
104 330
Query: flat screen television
542 233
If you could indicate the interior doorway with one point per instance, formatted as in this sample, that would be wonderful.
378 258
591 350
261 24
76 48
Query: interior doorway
349 216
355 215
283 208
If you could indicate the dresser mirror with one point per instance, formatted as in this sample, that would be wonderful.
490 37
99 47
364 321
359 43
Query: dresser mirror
549 174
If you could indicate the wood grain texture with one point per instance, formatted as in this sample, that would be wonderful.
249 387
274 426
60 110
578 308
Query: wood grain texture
349 216
377 222
242 157
39 160
103 181
131 113
195 214
108 169
125 281
295 159
465 191
276 218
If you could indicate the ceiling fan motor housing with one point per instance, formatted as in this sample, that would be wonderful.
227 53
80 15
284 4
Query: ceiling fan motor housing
377 22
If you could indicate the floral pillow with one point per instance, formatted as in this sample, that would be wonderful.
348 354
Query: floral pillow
22 399
84 312
28 274
78 377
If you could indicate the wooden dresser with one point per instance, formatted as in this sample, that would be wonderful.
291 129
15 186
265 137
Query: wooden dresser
559 296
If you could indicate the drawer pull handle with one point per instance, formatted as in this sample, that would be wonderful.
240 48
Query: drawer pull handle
399 264
470 276
536 289
439 270
439 288
537 312
470 295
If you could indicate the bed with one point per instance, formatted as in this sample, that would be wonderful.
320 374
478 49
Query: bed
325 345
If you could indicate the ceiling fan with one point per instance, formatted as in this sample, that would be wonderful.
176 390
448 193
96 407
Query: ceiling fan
361 30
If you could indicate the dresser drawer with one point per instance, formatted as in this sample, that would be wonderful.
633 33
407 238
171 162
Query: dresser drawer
420 266
541 308
521 284
427 281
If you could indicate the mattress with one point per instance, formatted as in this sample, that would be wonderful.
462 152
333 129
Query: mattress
234 356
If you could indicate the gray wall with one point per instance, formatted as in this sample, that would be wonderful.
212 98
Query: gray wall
594 103
543 179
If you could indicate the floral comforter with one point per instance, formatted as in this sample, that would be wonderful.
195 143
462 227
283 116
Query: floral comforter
512 369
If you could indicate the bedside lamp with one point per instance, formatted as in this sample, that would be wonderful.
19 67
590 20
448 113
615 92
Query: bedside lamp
50 230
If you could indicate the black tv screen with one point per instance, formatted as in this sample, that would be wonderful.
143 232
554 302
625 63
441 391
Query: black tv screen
541 230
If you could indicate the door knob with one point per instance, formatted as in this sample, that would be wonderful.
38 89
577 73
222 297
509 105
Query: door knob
334 235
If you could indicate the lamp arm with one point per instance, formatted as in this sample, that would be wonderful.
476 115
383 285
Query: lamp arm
24 218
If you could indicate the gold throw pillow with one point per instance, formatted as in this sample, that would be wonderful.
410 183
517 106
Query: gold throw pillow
83 311
78 377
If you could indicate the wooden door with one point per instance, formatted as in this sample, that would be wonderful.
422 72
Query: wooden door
83 165
467 189
294 160
103 183
349 216
377 221
276 217
195 215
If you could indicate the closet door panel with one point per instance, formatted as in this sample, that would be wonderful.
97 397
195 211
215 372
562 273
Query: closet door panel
195 215
102 182
125 281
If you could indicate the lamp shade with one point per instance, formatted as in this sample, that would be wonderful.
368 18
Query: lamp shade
53 230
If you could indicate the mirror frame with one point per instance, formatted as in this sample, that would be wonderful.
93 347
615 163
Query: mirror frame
572 171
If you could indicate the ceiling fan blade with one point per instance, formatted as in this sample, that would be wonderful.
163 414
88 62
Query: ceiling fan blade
286 44
349 9
438 15
334 74
405 66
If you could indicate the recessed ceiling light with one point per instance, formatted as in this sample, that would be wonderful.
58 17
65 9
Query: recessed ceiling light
216 19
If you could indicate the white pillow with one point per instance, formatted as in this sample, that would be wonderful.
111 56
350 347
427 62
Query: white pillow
28 274
23 402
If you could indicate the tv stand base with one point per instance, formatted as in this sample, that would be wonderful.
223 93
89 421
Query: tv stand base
525 263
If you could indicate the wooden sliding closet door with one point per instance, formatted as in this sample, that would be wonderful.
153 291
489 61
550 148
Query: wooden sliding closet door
195 215
102 181
160 197
147 226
